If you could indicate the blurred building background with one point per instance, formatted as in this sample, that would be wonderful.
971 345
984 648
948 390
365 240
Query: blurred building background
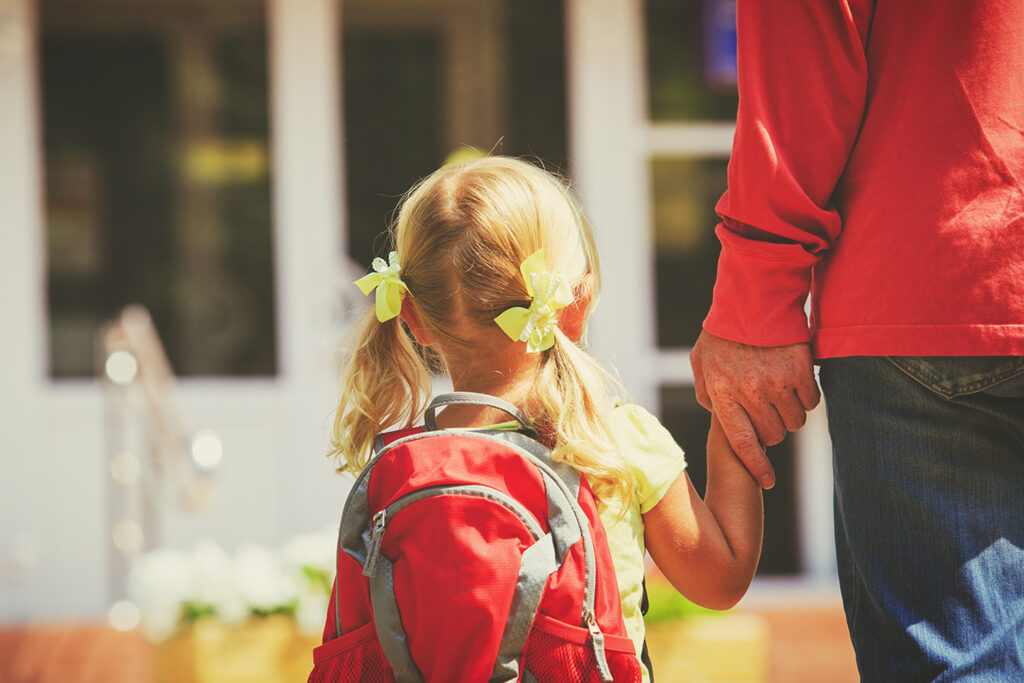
230 165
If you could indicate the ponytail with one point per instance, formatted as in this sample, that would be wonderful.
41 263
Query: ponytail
574 395
385 383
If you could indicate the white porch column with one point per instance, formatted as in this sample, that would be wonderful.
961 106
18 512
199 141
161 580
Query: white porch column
23 335
606 103
309 233
22 308
307 175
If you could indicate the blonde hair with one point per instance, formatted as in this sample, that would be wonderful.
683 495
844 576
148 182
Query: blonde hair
461 235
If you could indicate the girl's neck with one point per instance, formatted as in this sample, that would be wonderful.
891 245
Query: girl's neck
512 384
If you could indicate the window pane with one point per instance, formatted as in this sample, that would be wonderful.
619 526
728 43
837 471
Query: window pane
689 424
393 127
535 64
691 48
685 247
157 187
405 96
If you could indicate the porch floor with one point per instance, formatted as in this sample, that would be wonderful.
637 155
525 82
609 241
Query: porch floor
806 643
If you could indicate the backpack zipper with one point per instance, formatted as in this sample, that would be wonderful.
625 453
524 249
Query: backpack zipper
380 520
597 643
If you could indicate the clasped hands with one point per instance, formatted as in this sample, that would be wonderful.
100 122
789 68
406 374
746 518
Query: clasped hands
758 393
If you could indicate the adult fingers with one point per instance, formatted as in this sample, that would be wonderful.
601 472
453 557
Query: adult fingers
757 408
740 432
791 411
699 387
769 425
807 390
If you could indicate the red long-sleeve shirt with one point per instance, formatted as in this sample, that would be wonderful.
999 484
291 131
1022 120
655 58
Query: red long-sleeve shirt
878 163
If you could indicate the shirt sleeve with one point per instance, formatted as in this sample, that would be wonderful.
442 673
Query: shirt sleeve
802 74
650 451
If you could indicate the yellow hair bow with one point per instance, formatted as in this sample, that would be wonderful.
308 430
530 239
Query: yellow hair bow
550 291
390 288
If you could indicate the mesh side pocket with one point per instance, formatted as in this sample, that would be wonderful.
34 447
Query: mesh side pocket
355 657
559 653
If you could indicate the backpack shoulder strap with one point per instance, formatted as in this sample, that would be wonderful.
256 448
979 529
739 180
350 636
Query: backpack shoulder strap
469 398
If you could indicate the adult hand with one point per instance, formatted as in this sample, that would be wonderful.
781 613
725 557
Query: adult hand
758 394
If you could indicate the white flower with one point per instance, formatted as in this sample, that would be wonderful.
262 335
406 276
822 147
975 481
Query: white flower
159 584
311 612
262 581
317 551
172 587
211 573
316 554
213 582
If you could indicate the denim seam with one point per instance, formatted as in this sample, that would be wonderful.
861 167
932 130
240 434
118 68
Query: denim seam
930 381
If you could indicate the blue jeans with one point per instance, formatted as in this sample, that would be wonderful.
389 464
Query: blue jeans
928 456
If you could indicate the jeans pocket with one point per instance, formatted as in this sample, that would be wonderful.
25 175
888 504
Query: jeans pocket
952 376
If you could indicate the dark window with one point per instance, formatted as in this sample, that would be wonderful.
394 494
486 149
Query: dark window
685 249
689 54
393 109
397 115
155 124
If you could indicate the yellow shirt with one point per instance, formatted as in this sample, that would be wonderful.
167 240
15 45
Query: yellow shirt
656 461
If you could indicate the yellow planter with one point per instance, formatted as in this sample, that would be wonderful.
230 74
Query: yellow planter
260 650
726 648
715 648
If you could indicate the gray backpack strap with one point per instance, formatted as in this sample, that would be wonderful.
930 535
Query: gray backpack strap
388 623
469 398
538 563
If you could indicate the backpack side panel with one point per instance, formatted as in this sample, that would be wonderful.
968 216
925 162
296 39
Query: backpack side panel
355 655
354 596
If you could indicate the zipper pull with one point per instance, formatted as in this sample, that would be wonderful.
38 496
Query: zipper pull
597 642
376 535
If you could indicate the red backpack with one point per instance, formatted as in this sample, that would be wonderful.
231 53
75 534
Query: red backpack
469 555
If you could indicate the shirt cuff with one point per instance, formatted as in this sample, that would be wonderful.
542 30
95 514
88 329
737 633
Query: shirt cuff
760 292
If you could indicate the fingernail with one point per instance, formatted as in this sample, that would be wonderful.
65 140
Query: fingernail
767 483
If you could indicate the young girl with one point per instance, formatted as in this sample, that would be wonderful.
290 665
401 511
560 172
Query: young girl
495 270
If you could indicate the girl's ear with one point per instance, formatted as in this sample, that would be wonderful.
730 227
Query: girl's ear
572 318
412 318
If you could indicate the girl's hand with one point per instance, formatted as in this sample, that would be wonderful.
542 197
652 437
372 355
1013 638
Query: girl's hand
708 549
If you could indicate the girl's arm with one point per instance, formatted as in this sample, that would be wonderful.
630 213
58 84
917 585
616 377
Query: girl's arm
708 549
